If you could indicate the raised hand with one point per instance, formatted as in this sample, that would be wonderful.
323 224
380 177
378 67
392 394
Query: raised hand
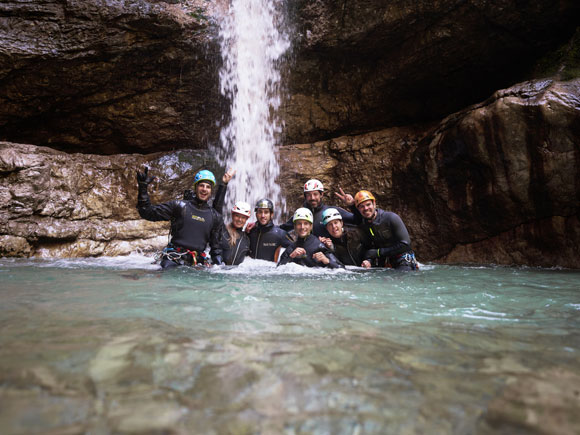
143 177
347 198
228 175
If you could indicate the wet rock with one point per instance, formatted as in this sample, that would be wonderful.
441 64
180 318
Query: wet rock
61 205
107 76
12 246
545 403
110 77
369 64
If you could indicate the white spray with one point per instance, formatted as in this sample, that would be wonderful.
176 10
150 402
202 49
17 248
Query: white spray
252 43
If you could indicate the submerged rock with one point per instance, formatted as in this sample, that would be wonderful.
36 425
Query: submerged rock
544 403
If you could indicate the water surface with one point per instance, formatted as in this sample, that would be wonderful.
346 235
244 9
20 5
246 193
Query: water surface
114 345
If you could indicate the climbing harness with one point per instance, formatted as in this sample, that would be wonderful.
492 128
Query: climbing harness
183 256
407 258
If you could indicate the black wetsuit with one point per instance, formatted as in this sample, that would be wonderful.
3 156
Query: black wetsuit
318 229
234 255
265 241
348 248
387 240
312 245
193 224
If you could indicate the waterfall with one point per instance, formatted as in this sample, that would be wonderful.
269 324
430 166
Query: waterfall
252 41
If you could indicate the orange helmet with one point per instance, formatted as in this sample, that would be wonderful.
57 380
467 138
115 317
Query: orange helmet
362 196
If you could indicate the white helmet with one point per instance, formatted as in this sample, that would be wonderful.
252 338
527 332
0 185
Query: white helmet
242 208
312 185
303 214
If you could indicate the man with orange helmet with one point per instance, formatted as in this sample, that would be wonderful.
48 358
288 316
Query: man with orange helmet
313 197
384 235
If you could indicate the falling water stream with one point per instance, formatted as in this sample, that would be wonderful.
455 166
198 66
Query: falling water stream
252 41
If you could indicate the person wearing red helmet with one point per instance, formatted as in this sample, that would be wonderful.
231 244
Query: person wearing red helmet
385 236
313 201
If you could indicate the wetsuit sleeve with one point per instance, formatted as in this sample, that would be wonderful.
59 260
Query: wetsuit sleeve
395 249
284 238
350 218
285 257
288 225
215 237
218 201
334 262
159 212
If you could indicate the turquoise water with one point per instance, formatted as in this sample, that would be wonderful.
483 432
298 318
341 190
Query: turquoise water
116 346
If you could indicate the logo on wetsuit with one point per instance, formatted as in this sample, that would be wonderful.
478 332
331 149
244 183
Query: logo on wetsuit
198 218
270 244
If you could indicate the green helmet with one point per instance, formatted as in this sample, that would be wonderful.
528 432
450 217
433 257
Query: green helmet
303 214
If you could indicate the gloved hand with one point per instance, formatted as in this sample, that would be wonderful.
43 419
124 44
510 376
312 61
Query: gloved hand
142 196
143 178
217 260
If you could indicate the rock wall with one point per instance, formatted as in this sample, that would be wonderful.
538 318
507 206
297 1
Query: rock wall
55 204
498 182
109 77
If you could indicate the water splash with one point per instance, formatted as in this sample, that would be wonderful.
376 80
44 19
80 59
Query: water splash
253 41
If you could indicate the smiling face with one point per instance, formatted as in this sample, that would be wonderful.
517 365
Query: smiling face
314 198
239 220
367 209
263 215
335 228
203 190
302 228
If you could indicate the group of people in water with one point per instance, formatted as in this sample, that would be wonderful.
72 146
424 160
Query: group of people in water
317 235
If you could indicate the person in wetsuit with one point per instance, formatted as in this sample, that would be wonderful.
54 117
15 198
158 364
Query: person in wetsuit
346 243
266 239
313 197
194 223
308 250
236 243
385 236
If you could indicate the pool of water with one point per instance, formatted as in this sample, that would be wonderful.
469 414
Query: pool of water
114 345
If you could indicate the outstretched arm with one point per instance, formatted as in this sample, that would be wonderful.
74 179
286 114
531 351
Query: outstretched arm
218 201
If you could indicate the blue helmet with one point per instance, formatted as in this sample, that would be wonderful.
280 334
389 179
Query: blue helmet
204 175
329 215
